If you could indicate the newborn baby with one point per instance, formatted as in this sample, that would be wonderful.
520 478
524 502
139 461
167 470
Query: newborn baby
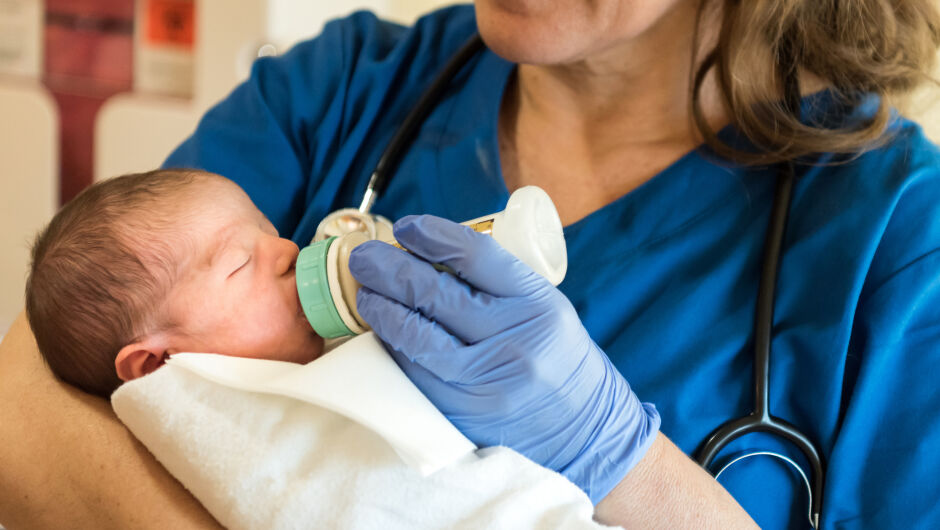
142 266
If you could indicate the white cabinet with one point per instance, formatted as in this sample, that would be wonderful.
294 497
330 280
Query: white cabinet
29 189
21 37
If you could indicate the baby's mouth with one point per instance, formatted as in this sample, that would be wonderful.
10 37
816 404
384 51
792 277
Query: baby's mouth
300 311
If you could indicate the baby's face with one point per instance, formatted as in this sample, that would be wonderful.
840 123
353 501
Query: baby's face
236 293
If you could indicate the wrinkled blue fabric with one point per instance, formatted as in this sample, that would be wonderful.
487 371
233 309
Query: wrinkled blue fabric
501 352
664 278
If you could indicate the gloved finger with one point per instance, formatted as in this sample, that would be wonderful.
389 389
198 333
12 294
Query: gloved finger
430 384
410 333
468 313
476 258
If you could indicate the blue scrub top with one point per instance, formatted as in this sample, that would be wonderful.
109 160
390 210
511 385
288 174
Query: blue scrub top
664 278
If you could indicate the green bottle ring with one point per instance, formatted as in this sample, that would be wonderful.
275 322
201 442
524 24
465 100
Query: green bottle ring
313 289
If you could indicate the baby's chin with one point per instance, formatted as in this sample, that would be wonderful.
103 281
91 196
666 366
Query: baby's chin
318 346
312 350
313 344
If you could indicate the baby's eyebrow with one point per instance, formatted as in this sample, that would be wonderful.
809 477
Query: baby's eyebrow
224 237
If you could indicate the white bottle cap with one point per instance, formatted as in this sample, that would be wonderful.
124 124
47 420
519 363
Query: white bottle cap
531 230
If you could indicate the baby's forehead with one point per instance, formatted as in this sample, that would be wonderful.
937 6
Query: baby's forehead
213 190
210 228
206 200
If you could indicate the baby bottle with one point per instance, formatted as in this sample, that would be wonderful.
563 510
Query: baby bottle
529 228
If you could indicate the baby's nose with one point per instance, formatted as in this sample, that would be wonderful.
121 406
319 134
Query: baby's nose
287 255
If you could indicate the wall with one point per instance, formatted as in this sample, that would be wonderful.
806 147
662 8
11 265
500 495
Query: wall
223 58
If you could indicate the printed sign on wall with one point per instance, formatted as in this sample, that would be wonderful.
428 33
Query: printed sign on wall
20 37
164 47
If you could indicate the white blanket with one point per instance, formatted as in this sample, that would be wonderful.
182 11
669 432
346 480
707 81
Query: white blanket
343 442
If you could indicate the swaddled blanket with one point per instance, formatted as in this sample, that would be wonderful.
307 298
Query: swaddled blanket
344 442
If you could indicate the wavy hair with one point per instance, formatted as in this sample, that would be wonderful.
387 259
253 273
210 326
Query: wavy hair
858 48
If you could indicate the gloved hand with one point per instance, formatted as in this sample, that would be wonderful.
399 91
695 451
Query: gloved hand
501 352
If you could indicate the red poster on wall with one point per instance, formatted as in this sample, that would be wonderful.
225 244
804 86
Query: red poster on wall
88 58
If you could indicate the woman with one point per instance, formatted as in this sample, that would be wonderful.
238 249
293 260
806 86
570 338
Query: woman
605 112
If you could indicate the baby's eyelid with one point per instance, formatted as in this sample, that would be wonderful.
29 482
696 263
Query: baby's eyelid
242 266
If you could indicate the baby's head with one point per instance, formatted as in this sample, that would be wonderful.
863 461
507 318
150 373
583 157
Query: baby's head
142 266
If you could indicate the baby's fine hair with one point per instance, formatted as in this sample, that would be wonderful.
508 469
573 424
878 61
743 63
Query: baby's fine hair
101 271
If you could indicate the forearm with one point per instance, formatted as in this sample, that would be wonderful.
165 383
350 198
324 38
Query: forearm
666 489
66 461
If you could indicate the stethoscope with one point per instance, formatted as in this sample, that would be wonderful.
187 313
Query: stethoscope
760 420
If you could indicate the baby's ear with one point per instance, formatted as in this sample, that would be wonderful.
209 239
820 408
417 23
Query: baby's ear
139 359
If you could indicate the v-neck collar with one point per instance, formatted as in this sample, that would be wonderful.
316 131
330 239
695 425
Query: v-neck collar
469 146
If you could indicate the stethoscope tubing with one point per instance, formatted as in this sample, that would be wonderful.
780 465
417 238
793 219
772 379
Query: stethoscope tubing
408 129
760 420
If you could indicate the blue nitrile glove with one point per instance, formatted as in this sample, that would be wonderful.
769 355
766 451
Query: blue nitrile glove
501 352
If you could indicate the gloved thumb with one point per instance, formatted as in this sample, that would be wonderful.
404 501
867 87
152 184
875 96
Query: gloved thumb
476 258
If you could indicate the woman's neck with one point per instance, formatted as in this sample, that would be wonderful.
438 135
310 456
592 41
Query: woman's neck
592 130
635 91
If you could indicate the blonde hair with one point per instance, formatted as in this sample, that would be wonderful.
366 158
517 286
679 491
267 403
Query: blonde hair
858 48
